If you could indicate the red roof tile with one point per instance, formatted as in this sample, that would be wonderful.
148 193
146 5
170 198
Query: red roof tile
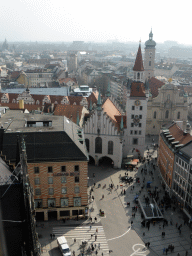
137 89
178 134
139 61
68 111
154 85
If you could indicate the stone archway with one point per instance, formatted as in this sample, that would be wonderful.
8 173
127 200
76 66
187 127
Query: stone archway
106 161
91 160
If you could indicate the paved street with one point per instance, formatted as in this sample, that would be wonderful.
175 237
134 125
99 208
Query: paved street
114 229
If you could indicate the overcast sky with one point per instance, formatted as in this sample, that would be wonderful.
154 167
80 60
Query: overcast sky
101 20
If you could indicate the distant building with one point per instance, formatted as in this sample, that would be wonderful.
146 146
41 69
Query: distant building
149 61
169 105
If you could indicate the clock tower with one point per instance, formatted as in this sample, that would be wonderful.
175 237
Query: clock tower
149 61
136 110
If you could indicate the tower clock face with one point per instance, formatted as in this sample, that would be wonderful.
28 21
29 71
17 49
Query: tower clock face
136 120
137 103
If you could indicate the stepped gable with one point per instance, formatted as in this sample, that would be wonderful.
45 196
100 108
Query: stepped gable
154 85
70 111
137 89
179 135
75 99
139 61
38 97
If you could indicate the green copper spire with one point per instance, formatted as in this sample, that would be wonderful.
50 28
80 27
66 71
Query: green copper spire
121 125
99 104
77 117
90 105
108 94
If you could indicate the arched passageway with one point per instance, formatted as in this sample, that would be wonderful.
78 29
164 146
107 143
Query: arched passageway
91 160
106 161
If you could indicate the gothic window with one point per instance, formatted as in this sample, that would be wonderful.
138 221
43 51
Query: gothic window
87 144
138 76
110 147
168 97
178 115
98 145
167 114
155 115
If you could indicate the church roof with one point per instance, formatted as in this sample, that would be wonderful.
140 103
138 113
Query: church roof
70 111
154 85
110 109
137 89
139 61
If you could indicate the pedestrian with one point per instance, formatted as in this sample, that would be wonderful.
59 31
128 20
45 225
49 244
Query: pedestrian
95 219
51 236
95 245
96 252
117 186
148 244
99 246
186 254
91 236
143 233
94 184
131 223
178 254
95 237
102 254
74 240
164 250
102 196
124 192
90 226
96 230
73 253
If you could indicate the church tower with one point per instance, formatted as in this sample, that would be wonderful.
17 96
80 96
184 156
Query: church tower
149 61
136 111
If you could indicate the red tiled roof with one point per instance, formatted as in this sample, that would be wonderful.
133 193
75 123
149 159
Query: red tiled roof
139 61
15 106
154 85
15 74
68 111
178 134
110 109
137 89
118 120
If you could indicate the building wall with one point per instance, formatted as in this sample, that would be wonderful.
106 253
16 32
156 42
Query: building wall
166 163
129 134
57 185
160 105
108 132
149 59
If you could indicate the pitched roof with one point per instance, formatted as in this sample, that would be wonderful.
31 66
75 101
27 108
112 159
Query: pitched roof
154 85
139 61
15 106
137 89
110 109
15 74
179 135
70 111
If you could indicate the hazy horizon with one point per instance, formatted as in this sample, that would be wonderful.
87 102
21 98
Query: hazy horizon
101 21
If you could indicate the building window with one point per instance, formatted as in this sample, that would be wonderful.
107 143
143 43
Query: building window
37 181
50 169
51 202
133 107
63 179
77 190
76 168
135 132
37 191
131 132
167 114
64 202
139 132
87 144
149 63
51 191
178 115
132 124
38 203
140 116
64 190
98 145
154 114
140 124
141 107
36 169
110 147
132 116
138 75
50 180
76 179
77 201
63 168
135 141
